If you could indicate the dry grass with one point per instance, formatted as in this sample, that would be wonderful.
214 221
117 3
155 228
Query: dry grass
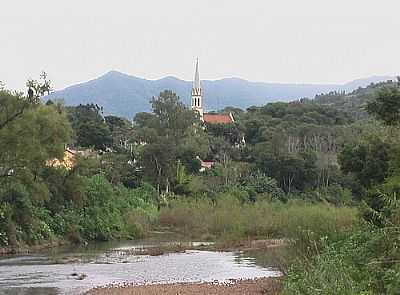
230 220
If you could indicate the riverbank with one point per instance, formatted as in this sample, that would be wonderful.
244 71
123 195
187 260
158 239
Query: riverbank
26 249
266 286
241 245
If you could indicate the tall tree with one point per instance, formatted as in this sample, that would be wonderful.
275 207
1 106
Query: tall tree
368 161
90 127
174 135
30 135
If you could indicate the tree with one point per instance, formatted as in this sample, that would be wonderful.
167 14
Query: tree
368 161
173 118
90 128
386 106
94 134
29 137
14 104
159 162
262 185
36 89
114 123
172 133
294 172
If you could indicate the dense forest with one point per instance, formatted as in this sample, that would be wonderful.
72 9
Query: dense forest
323 173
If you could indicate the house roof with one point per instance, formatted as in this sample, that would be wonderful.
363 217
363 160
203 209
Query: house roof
207 164
218 118
70 151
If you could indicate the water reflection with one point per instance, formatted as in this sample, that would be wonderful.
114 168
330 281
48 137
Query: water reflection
73 271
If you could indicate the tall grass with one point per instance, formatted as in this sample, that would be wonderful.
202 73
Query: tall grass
228 219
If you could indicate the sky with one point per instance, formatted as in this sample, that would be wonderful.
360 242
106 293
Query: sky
307 41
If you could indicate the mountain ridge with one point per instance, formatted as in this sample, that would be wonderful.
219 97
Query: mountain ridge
125 95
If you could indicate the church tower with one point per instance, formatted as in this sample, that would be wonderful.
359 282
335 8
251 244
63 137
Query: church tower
197 101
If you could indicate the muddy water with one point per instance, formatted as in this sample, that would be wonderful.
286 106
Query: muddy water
73 271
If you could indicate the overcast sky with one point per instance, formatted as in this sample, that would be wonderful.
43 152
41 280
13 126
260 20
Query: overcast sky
307 41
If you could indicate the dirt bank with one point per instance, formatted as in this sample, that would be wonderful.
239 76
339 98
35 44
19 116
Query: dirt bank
266 286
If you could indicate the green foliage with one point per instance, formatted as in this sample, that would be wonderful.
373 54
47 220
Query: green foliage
231 133
365 262
30 135
90 128
39 202
173 119
36 89
110 212
42 132
290 118
175 137
293 172
263 187
355 102
368 161
386 106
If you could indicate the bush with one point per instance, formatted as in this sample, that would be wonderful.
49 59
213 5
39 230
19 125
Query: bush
263 187
364 262
115 212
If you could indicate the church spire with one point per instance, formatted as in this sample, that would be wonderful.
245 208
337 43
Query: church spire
196 82
197 103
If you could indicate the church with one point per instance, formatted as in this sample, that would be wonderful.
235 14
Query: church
197 104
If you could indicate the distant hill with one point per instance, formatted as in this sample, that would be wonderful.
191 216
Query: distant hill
124 95
354 102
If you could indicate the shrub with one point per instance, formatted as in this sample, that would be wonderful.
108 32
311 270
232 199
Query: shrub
364 262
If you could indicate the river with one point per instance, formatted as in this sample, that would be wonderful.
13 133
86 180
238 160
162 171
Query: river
76 270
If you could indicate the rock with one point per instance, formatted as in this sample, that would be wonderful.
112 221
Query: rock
82 276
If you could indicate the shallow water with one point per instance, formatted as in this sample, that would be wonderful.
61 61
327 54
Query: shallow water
112 263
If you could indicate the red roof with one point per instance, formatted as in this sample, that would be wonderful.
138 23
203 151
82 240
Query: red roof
207 164
218 118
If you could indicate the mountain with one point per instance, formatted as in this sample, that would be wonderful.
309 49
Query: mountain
124 95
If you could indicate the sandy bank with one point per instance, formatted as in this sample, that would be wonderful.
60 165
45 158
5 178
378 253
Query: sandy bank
266 286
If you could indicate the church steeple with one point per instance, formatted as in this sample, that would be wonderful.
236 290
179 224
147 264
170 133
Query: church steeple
196 81
197 103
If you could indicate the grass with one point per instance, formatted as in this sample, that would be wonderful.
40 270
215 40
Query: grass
228 219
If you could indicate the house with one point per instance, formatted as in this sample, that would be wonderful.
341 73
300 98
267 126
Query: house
68 161
205 165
